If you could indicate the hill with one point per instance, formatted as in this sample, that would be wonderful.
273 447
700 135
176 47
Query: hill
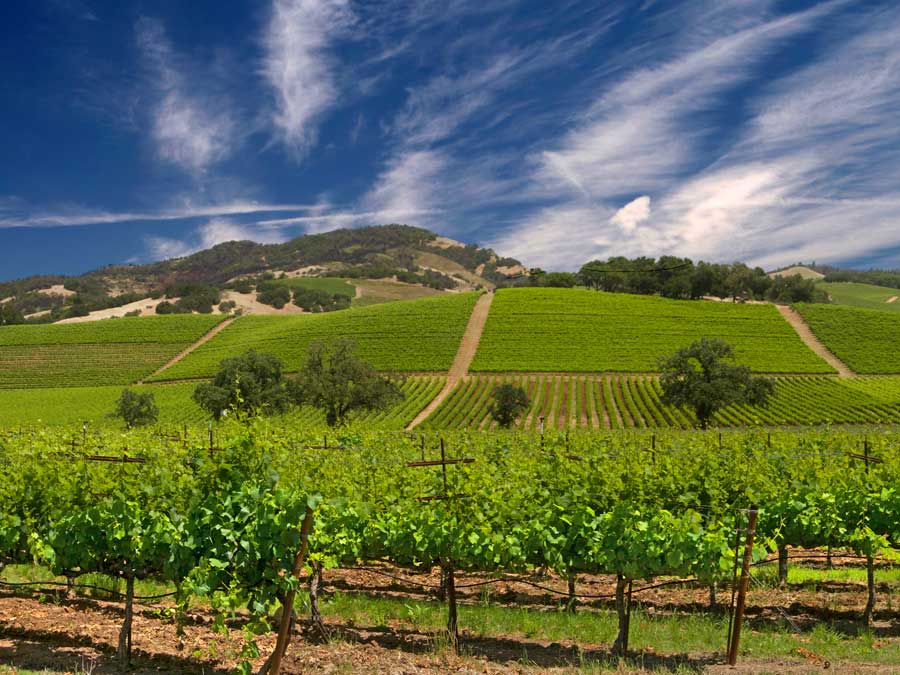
586 358
415 335
867 296
864 339
407 261
569 330
101 353
802 270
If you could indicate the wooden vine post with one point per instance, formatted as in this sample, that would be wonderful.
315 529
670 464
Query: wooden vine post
123 651
273 665
123 654
448 577
735 637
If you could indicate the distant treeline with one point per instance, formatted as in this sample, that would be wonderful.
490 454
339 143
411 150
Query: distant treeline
681 278
886 278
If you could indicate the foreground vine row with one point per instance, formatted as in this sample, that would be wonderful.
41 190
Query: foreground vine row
224 523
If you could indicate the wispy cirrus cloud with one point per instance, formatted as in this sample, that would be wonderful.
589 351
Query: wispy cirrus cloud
18 215
649 133
299 67
216 231
190 129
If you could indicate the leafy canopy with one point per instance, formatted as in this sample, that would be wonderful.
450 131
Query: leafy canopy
338 382
136 408
704 378
509 401
251 383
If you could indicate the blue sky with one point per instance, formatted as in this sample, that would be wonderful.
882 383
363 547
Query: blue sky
553 131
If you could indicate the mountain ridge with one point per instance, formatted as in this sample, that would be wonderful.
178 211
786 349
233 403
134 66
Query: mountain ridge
402 253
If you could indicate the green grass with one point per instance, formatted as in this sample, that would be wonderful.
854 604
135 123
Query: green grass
68 406
331 285
662 633
866 340
571 330
110 352
867 296
177 329
418 335
64 406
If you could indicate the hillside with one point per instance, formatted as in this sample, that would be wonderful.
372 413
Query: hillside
802 270
388 261
107 353
867 296
568 330
587 359
864 339
415 335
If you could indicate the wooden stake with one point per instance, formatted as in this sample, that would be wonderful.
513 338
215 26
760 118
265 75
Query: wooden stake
573 601
124 652
452 618
284 630
734 643
869 610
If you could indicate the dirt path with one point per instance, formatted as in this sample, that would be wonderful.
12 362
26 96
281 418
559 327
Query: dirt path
464 355
811 341
891 299
219 327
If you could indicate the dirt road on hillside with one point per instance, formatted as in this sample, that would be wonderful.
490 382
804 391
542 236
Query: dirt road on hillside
806 334
464 355
218 328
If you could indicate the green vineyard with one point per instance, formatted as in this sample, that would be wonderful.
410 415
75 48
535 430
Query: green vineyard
633 401
116 351
417 335
223 528
566 330
864 339
67 406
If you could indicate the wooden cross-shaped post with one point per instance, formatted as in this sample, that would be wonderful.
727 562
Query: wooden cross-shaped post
446 562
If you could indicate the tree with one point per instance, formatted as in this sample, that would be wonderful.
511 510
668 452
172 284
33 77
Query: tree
558 280
338 382
10 314
250 383
702 377
136 408
274 294
509 401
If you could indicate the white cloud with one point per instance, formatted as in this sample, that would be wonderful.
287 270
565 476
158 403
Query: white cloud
434 111
188 129
645 133
409 184
632 214
163 248
298 65
216 231
75 216
558 237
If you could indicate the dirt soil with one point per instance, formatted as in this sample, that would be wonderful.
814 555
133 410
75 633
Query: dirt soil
52 632
248 304
57 289
146 307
